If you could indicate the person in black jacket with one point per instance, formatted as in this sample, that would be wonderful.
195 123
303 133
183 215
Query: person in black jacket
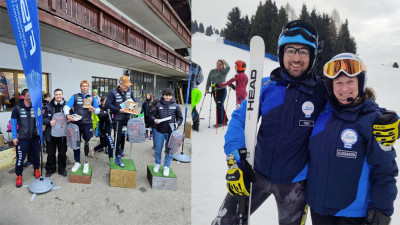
54 106
27 136
114 102
105 130
146 107
166 107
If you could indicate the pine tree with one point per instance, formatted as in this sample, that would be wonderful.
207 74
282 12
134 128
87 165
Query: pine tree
264 25
222 33
195 27
345 43
216 31
395 65
209 31
232 30
304 14
201 28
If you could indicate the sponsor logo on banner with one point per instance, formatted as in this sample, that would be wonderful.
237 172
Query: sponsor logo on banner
349 138
308 108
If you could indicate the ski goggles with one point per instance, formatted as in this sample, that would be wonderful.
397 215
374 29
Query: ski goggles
303 28
293 32
350 67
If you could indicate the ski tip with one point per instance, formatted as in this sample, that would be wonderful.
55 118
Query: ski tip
256 39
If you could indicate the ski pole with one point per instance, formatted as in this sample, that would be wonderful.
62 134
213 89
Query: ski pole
226 108
116 141
187 100
202 105
216 110
209 115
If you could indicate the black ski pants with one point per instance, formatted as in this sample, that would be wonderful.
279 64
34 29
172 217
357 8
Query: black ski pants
22 148
119 137
318 219
219 98
59 143
290 200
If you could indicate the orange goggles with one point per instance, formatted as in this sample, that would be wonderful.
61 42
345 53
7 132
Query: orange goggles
351 67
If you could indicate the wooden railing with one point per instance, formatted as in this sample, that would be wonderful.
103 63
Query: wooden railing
98 18
167 13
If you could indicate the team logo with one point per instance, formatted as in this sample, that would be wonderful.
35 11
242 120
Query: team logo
308 108
39 112
349 138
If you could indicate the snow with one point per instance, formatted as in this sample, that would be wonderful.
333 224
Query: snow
209 164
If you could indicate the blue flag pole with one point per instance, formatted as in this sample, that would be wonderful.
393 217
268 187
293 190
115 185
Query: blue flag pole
182 157
25 25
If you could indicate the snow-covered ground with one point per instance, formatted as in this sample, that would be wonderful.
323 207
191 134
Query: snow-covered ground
209 165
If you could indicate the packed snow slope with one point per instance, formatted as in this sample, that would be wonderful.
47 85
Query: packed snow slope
209 164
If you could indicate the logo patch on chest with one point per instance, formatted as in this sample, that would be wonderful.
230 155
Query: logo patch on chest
349 138
308 108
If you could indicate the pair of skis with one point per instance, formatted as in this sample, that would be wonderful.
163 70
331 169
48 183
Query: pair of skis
257 52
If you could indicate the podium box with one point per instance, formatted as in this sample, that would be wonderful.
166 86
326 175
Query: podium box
123 176
80 177
158 181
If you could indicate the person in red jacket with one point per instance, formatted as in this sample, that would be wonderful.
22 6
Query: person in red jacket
241 82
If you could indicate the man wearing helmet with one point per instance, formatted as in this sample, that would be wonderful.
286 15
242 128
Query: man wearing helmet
241 82
290 100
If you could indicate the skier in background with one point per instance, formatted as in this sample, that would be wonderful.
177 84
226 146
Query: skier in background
241 82
215 77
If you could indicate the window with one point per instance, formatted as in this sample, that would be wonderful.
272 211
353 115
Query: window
142 83
103 85
12 82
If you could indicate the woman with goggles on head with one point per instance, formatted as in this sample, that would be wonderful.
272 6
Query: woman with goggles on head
351 176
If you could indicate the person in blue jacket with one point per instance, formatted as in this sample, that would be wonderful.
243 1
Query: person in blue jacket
290 100
351 176
77 102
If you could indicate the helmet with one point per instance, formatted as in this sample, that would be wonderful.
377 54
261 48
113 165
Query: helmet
241 65
345 64
298 32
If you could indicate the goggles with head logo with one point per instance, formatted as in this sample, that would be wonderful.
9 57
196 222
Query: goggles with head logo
350 67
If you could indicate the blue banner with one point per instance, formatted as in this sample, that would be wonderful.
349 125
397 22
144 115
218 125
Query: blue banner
25 25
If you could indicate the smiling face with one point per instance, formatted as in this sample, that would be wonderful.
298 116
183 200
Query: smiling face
58 96
167 98
295 65
345 87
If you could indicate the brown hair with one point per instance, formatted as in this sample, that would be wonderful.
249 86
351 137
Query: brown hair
151 97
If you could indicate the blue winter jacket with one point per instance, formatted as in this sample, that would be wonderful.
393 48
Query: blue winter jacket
288 108
348 172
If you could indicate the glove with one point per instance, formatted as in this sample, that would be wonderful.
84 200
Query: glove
215 86
238 180
386 128
375 217
232 86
